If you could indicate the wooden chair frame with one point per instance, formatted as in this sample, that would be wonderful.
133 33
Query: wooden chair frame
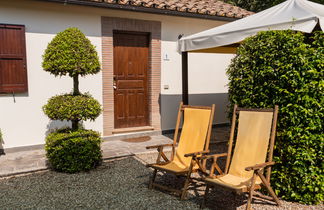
195 155
258 169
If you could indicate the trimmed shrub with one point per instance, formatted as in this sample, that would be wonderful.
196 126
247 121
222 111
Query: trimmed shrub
69 107
73 151
286 68
71 52
76 149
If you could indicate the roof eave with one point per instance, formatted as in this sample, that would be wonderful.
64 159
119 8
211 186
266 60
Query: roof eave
144 9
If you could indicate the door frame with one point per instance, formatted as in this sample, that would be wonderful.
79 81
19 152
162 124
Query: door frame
109 25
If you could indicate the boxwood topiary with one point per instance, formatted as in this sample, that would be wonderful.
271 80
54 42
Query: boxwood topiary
69 107
287 68
71 52
76 149
73 151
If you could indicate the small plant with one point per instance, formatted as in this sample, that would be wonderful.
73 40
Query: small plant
72 150
287 68
1 138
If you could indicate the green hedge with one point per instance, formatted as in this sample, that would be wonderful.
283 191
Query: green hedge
73 151
70 107
287 68
259 5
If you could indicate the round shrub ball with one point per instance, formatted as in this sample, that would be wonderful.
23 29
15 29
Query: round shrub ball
73 151
71 52
287 68
70 107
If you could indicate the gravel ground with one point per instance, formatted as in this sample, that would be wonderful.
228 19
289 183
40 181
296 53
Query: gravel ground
118 184
121 184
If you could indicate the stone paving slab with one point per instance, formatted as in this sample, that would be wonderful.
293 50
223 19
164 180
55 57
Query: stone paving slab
35 160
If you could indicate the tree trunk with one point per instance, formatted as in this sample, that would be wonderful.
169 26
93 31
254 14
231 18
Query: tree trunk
75 124
76 85
76 91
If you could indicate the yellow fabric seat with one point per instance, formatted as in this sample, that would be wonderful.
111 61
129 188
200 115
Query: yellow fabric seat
251 149
174 166
245 167
195 136
233 182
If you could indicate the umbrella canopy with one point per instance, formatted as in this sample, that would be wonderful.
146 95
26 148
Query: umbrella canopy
299 15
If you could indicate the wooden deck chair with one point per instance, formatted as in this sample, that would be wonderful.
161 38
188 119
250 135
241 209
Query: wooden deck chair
194 141
244 170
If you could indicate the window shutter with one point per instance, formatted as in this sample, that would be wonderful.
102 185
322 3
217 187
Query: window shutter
13 71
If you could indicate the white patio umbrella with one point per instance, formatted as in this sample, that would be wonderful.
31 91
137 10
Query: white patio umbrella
299 15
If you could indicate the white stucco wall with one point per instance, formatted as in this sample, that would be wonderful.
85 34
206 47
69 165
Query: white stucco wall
22 121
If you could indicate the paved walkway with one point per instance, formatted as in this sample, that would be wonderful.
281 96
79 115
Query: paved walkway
117 146
35 160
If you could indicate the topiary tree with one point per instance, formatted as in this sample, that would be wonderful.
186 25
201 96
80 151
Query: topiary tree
287 68
71 53
72 150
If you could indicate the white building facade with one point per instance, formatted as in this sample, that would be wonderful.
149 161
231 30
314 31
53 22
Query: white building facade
22 121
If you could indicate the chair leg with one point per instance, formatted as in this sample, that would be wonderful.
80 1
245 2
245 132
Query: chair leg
251 192
184 189
205 197
269 188
152 179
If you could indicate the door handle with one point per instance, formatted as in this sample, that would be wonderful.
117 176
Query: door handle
114 82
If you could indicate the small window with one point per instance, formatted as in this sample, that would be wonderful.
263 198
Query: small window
13 71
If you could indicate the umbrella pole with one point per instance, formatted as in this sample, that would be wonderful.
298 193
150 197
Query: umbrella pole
185 95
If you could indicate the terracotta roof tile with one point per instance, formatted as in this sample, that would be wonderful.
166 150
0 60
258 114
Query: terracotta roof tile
203 7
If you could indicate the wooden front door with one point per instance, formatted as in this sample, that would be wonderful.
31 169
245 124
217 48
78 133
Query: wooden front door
131 54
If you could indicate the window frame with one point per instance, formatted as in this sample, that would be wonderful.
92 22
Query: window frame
23 57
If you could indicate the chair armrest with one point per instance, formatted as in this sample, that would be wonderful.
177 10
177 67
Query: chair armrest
208 156
161 145
194 154
259 166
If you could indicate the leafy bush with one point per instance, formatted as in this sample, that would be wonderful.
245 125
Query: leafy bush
259 5
73 151
286 68
69 107
70 52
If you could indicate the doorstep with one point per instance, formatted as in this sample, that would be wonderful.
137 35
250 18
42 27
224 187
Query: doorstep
132 129
132 134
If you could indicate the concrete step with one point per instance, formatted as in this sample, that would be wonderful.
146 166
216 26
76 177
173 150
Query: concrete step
121 136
